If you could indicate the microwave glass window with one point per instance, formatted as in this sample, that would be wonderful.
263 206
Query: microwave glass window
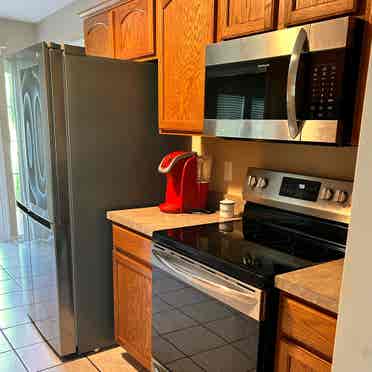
247 91
240 97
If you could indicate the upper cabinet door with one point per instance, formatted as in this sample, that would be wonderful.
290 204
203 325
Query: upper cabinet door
185 28
99 35
134 29
243 17
303 11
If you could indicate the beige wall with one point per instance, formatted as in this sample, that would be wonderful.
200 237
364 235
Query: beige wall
353 351
65 25
313 160
16 35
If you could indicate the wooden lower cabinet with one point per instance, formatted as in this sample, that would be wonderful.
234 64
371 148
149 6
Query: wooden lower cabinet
132 297
306 337
293 358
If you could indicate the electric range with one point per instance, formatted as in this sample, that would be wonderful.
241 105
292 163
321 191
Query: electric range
214 299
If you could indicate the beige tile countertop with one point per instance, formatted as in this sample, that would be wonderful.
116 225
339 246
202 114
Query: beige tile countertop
148 220
319 285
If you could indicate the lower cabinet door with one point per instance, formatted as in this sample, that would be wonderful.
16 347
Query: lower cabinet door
133 307
293 358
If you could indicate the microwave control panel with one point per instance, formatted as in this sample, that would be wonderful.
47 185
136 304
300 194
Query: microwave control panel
325 85
323 92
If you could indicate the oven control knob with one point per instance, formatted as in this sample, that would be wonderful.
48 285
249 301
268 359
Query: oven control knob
341 196
262 183
326 194
252 181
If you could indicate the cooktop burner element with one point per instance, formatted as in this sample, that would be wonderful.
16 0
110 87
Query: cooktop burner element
289 222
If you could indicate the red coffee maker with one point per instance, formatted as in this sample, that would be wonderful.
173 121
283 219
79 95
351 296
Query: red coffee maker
185 191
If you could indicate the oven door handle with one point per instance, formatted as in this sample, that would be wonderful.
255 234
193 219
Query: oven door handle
294 125
194 277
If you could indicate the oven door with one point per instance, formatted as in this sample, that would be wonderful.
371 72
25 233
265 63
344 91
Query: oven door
202 319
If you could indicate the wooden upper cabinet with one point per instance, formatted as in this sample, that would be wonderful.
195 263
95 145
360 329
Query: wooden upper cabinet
99 35
134 29
293 358
303 11
185 28
243 17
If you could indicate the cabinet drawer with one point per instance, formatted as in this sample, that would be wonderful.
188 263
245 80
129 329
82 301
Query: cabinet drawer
131 243
308 326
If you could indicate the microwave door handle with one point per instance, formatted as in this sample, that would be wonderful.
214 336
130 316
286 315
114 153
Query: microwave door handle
294 125
195 278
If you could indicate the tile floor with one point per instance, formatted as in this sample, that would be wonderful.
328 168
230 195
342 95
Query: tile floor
21 347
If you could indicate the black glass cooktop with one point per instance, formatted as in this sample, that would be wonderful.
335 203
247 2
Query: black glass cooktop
266 243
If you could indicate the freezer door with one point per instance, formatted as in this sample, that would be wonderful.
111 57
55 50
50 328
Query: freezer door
30 75
51 309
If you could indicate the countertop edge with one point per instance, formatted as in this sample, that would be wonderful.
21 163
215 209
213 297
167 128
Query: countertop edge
312 284
137 219
312 297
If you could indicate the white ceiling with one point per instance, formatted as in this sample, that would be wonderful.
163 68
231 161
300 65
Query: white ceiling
30 10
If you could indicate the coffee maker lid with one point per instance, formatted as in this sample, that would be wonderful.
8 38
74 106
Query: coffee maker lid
170 160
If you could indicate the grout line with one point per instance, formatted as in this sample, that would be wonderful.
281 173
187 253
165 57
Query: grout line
15 351
91 362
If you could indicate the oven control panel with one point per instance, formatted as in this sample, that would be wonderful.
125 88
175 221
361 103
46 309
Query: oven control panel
299 188
318 197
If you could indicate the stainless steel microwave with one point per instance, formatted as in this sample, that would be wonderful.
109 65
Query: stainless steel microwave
295 84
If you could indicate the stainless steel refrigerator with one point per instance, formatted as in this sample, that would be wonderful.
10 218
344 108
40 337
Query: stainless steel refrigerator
88 142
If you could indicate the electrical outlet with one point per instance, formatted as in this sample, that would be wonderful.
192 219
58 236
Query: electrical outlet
227 175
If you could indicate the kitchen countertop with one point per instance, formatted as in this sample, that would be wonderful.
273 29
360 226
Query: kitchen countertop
319 285
148 220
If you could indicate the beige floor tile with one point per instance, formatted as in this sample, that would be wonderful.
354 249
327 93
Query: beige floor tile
14 299
9 362
4 344
113 361
80 365
4 275
22 335
14 316
38 357
8 286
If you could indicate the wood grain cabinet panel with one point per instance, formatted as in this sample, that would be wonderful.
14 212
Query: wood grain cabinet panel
243 17
132 304
308 326
99 35
303 11
132 244
134 29
185 28
293 358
